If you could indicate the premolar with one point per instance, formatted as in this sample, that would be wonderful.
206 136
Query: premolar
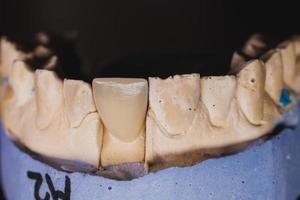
250 91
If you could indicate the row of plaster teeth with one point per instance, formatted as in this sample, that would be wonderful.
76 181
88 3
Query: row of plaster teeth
289 51
181 109
52 117
232 109
217 111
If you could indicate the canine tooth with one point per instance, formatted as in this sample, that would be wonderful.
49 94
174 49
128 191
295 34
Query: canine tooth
122 105
274 77
250 91
174 101
49 97
78 100
22 82
217 94
289 63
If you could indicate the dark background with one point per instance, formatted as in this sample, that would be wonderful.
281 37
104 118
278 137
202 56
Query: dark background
113 30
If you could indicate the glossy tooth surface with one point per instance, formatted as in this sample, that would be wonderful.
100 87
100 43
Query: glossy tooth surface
250 91
274 75
217 94
78 100
122 105
49 97
22 82
289 63
174 101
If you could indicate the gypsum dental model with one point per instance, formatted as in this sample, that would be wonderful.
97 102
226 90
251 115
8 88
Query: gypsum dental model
188 120
202 137
290 63
52 133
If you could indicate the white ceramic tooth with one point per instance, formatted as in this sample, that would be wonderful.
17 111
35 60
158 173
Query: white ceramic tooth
274 75
22 82
174 101
217 93
78 100
287 51
122 105
49 97
250 91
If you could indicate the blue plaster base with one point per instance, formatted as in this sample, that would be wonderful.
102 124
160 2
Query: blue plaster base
270 170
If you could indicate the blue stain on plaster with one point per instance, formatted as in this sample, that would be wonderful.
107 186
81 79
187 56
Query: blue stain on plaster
33 89
285 99
4 79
